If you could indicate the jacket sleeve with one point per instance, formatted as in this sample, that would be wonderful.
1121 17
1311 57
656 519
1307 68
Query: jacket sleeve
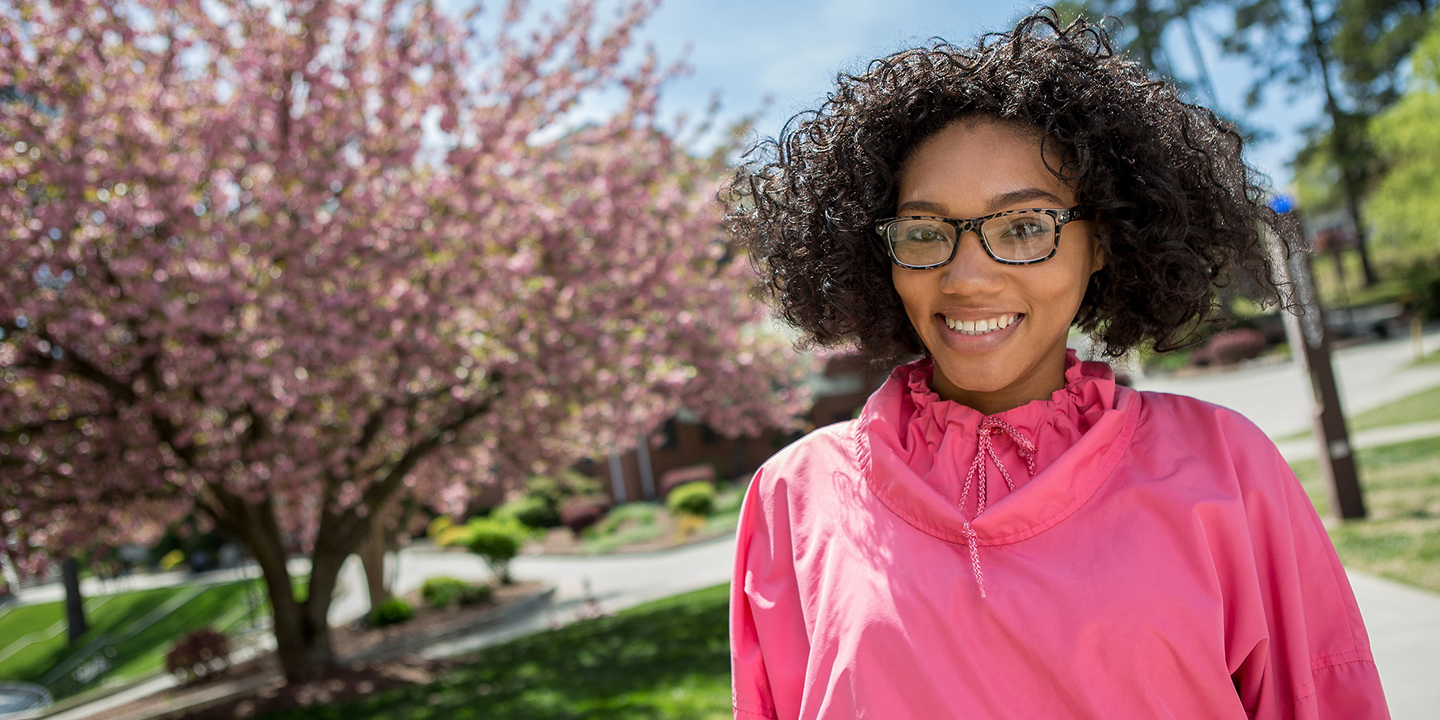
768 644
1311 660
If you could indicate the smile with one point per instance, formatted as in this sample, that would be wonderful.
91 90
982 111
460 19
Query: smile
981 327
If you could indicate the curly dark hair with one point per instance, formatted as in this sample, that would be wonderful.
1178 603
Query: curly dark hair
1177 210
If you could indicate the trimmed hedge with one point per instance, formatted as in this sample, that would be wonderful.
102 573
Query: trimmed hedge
391 612
696 498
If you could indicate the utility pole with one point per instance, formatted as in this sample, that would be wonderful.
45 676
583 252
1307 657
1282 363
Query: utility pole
1310 344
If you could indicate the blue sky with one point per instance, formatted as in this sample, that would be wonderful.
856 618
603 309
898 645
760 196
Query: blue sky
790 51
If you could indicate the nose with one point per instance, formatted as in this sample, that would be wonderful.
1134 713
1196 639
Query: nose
973 271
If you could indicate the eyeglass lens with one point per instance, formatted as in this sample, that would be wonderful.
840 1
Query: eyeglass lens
1018 238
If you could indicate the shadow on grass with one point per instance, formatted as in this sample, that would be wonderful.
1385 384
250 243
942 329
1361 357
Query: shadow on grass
664 660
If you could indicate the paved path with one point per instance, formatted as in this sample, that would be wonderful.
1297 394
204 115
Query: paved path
1277 397
1306 448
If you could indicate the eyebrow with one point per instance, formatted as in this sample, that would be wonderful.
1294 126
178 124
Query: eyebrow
1013 197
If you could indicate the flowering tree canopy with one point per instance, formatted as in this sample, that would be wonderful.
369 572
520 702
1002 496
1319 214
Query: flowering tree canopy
282 263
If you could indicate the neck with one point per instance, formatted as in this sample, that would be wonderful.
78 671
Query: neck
1038 384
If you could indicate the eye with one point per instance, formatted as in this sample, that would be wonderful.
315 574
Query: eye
1026 229
924 232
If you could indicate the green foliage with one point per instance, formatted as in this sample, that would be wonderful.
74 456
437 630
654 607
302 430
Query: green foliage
1404 209
533 511
498 541
545 498
440 592
667 660
696 498
438 525
1371 42
391 612
556 489
475 593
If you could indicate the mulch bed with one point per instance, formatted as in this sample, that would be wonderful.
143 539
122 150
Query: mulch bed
344 682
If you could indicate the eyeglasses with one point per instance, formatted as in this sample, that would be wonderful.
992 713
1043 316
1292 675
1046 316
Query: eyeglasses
1013 237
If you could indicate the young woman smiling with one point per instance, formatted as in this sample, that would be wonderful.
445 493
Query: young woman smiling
1004 532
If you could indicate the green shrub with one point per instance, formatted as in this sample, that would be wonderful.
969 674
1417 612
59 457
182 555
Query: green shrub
436 526
498 541
555 490
440 592
531 511
697 498
391 612
474 594
453 536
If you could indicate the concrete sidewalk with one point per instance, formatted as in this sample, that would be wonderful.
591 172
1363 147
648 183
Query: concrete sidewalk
1404 626
1307 448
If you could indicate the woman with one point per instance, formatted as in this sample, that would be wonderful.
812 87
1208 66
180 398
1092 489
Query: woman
1003 532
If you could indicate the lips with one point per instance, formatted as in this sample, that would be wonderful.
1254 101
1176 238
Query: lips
982 326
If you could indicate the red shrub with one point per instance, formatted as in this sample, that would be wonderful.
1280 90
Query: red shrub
582 511
1232 346
199 654
680 476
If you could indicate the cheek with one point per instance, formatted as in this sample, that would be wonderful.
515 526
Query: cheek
908 291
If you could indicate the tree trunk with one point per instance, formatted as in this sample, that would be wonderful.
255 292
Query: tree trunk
1344 145
372 557
74 601
302 630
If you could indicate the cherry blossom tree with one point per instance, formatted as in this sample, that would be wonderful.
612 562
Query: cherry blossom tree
282 264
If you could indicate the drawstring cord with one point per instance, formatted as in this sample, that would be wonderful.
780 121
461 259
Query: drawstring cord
991 425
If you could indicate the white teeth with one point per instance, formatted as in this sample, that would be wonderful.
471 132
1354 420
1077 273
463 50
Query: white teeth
981 327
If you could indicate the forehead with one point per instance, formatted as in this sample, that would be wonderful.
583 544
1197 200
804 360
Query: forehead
975 167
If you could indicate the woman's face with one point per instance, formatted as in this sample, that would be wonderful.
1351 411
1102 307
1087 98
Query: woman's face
969 169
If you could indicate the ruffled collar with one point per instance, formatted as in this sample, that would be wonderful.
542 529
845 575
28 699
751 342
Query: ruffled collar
916 450
1053 424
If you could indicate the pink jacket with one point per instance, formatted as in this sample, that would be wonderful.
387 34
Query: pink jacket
1114 554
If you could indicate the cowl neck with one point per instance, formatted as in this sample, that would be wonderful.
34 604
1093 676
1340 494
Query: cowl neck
916 450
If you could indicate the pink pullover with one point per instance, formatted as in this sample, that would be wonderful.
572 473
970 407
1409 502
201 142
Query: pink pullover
1111 554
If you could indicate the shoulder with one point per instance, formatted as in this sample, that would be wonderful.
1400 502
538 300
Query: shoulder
808 462
1188 420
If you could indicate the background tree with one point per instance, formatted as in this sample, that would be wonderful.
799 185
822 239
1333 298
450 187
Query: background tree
1371 44
1351 50
1404 208
1140 34
244 280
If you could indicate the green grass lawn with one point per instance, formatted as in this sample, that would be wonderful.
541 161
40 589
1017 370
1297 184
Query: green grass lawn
661 661
1420 407
1401 537
128 637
